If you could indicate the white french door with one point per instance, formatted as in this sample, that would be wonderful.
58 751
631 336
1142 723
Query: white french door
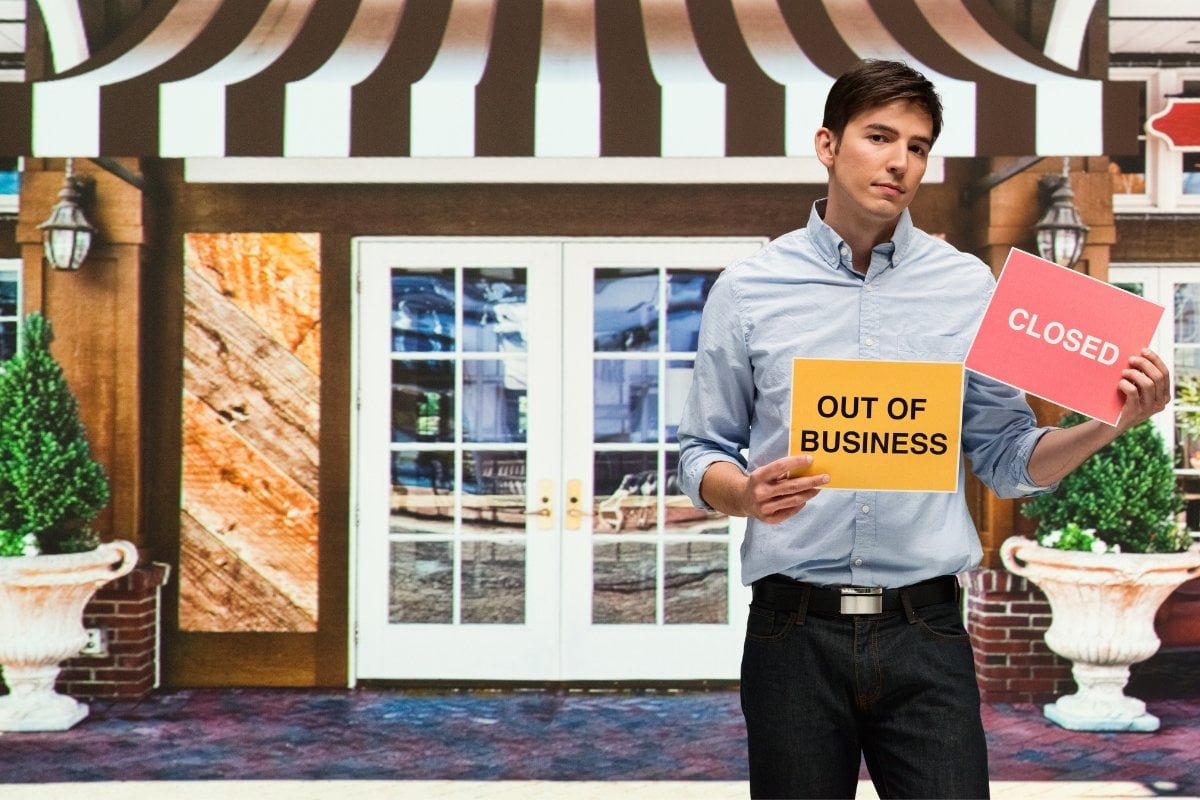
516 511
1177 340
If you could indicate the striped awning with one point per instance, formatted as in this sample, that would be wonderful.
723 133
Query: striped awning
556 78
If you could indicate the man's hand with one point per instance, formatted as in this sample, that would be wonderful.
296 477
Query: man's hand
1146 383
768 493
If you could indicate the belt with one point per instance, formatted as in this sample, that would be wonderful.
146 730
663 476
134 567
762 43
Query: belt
781 593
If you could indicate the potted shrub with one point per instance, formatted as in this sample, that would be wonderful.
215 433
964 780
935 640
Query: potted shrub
1109 551
50 562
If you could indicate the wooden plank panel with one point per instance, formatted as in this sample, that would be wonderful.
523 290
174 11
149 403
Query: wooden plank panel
251 430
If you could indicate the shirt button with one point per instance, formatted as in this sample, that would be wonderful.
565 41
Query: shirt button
858 562
869 342
866 509
870 287
845 251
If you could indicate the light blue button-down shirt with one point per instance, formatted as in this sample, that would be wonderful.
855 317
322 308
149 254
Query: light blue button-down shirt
799 297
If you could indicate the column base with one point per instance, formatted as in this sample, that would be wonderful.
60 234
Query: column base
1079 719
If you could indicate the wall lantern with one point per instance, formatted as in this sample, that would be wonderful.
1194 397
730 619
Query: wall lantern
67 234
1060 232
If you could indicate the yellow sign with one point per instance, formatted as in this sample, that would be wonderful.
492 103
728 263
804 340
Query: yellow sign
890 425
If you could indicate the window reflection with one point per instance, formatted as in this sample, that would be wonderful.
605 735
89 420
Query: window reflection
422 401
423 310
687 290
495 314
626 310
495 400
626 405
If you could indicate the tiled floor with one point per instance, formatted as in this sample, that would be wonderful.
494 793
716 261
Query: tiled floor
375 742
488 744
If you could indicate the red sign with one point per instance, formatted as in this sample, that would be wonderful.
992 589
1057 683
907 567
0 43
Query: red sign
1062 335
1178 123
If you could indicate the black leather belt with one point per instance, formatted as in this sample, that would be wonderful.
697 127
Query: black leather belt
781 593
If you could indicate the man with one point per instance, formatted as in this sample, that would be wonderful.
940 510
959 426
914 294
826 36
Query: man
895 684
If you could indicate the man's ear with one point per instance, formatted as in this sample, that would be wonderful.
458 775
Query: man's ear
825 143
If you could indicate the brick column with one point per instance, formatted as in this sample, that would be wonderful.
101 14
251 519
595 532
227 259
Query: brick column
1007 617
127 612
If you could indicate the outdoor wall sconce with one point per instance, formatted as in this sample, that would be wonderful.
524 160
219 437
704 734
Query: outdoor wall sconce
1060 232
67 234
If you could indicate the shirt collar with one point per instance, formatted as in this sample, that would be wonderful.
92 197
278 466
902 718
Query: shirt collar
829 244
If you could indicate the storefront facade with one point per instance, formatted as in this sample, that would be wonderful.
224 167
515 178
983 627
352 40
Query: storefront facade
393 306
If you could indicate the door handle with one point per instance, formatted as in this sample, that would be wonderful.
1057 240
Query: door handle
575 512
545 506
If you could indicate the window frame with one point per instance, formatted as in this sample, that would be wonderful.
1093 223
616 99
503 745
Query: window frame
1164 169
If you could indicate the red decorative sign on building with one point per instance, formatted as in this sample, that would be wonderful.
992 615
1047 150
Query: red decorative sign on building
1178 124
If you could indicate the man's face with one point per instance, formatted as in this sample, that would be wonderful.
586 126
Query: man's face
876 166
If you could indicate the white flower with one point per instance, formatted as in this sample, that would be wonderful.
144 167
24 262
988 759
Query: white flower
30 548
1116 548
1052 538
1098 546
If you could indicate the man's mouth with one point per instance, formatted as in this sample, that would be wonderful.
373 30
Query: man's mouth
890 189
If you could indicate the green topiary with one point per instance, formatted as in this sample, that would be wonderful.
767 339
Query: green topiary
1126 492
50 487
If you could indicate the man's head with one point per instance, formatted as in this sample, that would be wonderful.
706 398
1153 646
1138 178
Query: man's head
873 83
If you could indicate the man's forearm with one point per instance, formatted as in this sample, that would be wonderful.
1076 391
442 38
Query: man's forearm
1060 451
723 486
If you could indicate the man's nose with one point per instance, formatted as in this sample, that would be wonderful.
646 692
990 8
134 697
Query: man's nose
898 160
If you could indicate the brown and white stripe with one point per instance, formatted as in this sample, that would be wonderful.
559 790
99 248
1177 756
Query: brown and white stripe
556 78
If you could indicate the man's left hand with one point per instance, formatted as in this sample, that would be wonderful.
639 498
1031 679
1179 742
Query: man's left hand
1147 387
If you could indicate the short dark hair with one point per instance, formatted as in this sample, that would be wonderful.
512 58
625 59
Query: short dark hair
874 82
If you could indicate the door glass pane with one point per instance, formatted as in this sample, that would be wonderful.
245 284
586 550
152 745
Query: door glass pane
696 584
626 310
626 400
624 582
1187 313
422 401
447 493
422 582
9 306
686 292
638 355
422 310
1187 375
8 292
494 401
493 583
422 492
676 385
493 492
494 310
626 492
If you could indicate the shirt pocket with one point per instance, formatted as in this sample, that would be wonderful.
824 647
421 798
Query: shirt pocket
931 347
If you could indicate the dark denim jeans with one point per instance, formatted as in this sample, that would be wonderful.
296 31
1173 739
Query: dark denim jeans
819 693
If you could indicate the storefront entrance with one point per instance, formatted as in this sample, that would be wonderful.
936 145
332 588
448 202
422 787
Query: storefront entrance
516 513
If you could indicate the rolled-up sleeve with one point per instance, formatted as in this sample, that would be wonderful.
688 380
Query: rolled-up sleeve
715 425
999 433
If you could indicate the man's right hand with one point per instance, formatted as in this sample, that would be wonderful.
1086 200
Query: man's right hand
768 494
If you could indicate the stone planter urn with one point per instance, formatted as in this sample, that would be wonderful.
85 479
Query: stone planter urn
41 623
1102 607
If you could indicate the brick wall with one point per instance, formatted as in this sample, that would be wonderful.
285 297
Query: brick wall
1007 616
126 610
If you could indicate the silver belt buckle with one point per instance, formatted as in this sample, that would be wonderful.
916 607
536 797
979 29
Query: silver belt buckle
862 600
